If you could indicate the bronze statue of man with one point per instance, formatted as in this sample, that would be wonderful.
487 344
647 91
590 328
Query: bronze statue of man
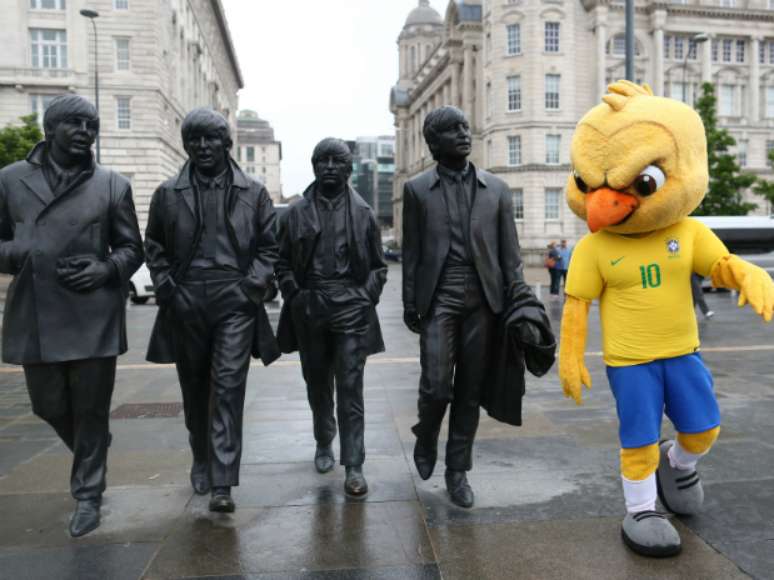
460 261
69 236
331 272
211 251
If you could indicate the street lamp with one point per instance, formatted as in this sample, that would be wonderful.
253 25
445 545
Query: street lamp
91 15
696 39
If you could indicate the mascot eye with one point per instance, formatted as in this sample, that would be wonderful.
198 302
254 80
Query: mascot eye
579 183
649 181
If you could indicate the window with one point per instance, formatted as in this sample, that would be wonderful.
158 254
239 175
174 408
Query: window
679 47
679 91
239 153
48 4
691 49
553 143
49 48
728 3
769 149
714 51
619 45
770 102
728 45
514 150
741 153
518 204
514 93
514 39
552 37
667 45
552 92
121 4
553 203
122 54
762 51
251 153
726 102
771 52
39 104
740 45
124 112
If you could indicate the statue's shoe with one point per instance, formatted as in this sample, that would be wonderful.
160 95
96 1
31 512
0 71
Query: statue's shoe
679 490
459 489
650 534
200 478
324 459
221 500
425 456
355 483
85 517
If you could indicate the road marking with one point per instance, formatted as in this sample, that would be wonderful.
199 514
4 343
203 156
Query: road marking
10 370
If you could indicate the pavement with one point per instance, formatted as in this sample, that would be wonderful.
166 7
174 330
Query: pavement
548 497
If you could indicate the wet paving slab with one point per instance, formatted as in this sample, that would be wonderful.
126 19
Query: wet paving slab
548 497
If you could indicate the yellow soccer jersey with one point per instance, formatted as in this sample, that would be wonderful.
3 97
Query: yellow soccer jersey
643 283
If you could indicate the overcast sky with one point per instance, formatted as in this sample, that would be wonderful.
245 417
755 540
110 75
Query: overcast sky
315 68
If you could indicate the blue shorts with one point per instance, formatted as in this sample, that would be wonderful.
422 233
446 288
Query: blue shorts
681 387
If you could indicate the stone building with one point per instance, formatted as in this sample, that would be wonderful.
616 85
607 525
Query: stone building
525 71
258 153
373 172
157 60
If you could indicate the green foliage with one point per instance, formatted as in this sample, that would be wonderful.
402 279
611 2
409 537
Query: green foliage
764 187
727 182
16 142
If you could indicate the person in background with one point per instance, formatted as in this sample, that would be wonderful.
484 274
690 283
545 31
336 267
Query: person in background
565 252
552 263
698 296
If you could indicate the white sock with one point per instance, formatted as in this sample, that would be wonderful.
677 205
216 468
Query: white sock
641 495
679 458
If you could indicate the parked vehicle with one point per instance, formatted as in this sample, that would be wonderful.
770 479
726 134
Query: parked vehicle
391 254
141 286
749 237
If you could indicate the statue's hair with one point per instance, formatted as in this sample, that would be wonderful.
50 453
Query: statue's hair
66 106
620 93
206 119
332 147
437 121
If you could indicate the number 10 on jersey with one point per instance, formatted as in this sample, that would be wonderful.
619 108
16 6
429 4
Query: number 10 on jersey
650 275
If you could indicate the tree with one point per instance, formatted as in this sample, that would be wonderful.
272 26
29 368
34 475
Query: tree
16 142
764 187
727 182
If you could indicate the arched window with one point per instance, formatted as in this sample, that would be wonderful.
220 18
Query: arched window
413 59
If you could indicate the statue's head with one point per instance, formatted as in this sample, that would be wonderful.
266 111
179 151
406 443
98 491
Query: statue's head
447 134
71 124
207 139
332 163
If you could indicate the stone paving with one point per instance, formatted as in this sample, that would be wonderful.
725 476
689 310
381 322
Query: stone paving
548 499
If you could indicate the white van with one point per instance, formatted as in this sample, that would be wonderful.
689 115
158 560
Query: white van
749 237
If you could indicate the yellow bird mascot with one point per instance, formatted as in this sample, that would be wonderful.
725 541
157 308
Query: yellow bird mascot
639 169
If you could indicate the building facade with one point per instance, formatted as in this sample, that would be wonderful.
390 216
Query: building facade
373 172
258 152
525 71
157 59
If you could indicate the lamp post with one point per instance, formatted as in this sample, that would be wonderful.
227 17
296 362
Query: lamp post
695 40
91 15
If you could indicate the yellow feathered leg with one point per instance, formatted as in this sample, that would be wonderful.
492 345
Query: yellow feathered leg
754 284
572 368
639 463
698 443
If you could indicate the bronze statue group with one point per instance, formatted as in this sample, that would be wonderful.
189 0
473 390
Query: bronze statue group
70 238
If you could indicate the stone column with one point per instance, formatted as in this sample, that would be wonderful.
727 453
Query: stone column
706 60
467 84
601 34
755 80
455 84
658 20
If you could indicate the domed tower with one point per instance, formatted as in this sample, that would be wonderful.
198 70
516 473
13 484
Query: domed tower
420 35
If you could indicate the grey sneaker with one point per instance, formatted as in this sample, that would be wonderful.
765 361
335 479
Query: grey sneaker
679 490
650 534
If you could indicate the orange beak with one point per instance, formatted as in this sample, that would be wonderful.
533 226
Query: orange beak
607 207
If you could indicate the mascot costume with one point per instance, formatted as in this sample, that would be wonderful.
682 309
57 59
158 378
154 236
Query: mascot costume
640 168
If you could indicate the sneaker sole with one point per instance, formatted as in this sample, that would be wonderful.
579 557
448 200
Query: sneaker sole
649 551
